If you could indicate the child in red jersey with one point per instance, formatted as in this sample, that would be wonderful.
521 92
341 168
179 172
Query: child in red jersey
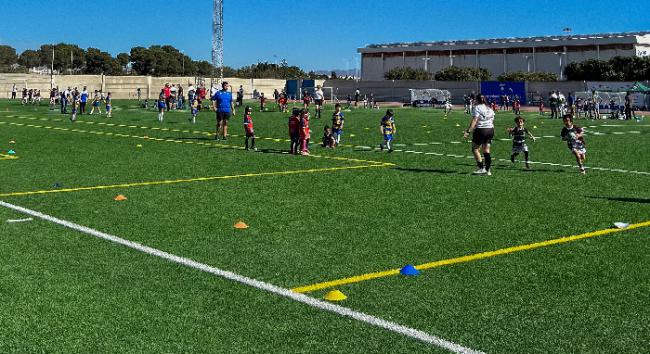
282 103
541 108
494 105
306 100
262 102
304 132
294 130
248 128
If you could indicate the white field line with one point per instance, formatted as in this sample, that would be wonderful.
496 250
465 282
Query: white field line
310 301
13 221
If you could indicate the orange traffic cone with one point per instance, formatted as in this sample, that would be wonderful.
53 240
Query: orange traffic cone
120 198
240 225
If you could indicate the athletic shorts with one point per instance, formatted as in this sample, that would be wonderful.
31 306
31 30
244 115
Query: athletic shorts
96 104
337 132
388 137
519 148
483 136
108 108
318 102
194 111
250 134
221 116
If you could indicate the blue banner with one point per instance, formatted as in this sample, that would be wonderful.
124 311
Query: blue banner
496 90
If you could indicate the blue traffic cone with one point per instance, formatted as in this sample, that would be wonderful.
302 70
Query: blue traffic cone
409 270
11 152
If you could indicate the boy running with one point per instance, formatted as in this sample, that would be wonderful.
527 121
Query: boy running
248 128
518 134
387 129
573 135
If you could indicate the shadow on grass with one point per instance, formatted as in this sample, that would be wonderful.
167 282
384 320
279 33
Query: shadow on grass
623 199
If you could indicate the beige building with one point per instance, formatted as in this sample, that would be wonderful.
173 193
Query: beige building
533 54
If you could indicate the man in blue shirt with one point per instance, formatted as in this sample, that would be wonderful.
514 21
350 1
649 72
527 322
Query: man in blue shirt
222 103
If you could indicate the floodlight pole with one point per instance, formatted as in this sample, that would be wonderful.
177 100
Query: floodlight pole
217 39
426 62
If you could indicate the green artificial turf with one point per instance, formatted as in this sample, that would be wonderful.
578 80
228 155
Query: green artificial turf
66 291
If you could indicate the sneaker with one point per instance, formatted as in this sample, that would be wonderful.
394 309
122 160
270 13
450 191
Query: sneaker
488 173
480 171
390 150
527 166
512 158
582 171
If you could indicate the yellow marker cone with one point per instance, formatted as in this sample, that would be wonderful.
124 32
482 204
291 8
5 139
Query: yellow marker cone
352 135
458 125
240 225
335 295
12 142
534 127
139 146
120 198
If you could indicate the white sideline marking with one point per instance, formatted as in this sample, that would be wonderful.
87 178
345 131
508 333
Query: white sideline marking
13 221
339 310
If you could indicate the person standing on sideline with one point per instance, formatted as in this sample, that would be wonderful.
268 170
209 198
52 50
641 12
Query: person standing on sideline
181 97
13 92
84 99
318 100
482 129
223 105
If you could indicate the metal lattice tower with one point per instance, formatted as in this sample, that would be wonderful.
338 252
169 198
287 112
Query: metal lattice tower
217 39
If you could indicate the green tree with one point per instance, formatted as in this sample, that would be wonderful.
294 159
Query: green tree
407 73
29 59
526 76
454 73
7 55
123 59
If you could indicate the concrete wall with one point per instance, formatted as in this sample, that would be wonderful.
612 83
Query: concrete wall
123 87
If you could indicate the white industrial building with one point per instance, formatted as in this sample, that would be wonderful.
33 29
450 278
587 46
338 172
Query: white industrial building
533 54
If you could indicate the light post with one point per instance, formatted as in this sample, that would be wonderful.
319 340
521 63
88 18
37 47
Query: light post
451 59
426 62
183 58
560 56
527 62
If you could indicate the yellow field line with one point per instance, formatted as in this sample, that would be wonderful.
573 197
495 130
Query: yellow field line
7 157
188 180
223 146
464 259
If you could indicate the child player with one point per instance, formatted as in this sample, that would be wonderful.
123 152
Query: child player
387 129
75 107
573 135
262 102
195 110
162 106
294 129
282 103
248 128
109 101
518 134
304 132
328 138
337 124
306 100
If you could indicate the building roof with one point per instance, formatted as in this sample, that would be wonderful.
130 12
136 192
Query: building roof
577 39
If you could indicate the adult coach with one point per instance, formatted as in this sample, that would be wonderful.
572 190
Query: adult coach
223 104
318 100
482 129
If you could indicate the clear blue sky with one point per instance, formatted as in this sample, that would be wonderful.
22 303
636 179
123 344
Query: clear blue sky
312 34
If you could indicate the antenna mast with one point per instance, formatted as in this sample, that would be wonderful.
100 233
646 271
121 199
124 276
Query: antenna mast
217 39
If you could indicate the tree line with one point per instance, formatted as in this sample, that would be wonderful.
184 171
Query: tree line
614 69
155 60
